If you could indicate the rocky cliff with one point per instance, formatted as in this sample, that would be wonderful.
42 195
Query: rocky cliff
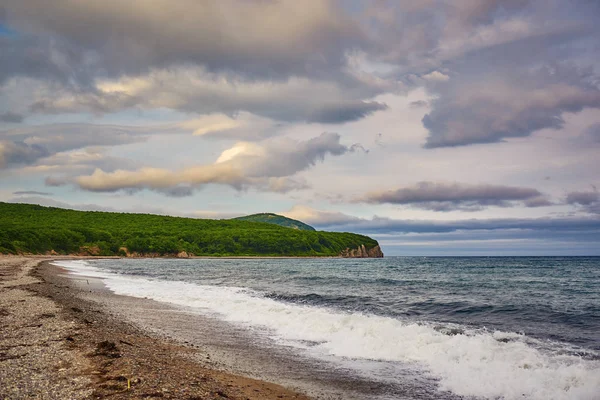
362 252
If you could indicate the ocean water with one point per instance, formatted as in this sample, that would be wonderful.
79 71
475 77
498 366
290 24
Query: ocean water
476 327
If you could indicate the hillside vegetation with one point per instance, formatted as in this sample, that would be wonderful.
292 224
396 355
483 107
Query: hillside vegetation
280 220
26 228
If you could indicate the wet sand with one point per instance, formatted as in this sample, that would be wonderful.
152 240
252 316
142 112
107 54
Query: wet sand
57 343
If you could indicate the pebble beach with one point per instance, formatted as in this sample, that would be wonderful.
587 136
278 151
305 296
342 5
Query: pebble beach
55 344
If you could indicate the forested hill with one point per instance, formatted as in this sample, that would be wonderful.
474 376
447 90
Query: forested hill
277 220
33 229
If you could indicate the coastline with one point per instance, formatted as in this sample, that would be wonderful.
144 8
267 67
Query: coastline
57 344
50 257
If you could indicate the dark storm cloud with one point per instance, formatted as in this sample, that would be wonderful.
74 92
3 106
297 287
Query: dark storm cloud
456 196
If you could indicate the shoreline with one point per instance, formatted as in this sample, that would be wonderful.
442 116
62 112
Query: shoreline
228 347
169 257
55 343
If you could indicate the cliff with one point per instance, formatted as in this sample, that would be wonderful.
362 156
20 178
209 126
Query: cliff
362 252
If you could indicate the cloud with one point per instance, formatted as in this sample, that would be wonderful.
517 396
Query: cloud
511 63
539 201
312 60
218 59
199 91
592 134
419 104
47 202
524 236
42 57
583 198
436 76
382 225
19 153
179 191
424 34
458 196
323 218
267 166
11 117
291 38
56 181
138 209
589 201
31 193
80 161
210 214
210 124
512 106
48 144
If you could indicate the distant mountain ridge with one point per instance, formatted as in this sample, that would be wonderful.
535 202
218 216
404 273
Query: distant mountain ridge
276 219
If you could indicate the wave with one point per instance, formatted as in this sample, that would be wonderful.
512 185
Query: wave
465 361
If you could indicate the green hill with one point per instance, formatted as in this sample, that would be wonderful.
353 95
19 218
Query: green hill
280 220
33 229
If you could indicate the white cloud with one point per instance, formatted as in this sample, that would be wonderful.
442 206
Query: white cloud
212 123
268 166
310 215
436 76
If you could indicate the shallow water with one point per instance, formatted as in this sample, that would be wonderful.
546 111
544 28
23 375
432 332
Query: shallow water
506 327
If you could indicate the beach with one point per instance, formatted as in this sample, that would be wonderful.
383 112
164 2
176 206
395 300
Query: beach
327 329
56 344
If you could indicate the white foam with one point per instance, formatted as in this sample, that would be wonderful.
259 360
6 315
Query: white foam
475 363
82 268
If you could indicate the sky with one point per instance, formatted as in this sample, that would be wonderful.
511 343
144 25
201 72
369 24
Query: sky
437 127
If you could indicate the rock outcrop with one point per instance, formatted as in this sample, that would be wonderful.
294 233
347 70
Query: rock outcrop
362 252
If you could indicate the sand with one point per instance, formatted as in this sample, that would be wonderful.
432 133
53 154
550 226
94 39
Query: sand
57 344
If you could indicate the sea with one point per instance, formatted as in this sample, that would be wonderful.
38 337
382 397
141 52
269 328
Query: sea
459 327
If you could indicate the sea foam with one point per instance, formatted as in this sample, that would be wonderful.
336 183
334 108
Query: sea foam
495 365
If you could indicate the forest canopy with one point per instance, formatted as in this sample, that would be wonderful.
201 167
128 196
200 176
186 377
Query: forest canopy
34 229
277 220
